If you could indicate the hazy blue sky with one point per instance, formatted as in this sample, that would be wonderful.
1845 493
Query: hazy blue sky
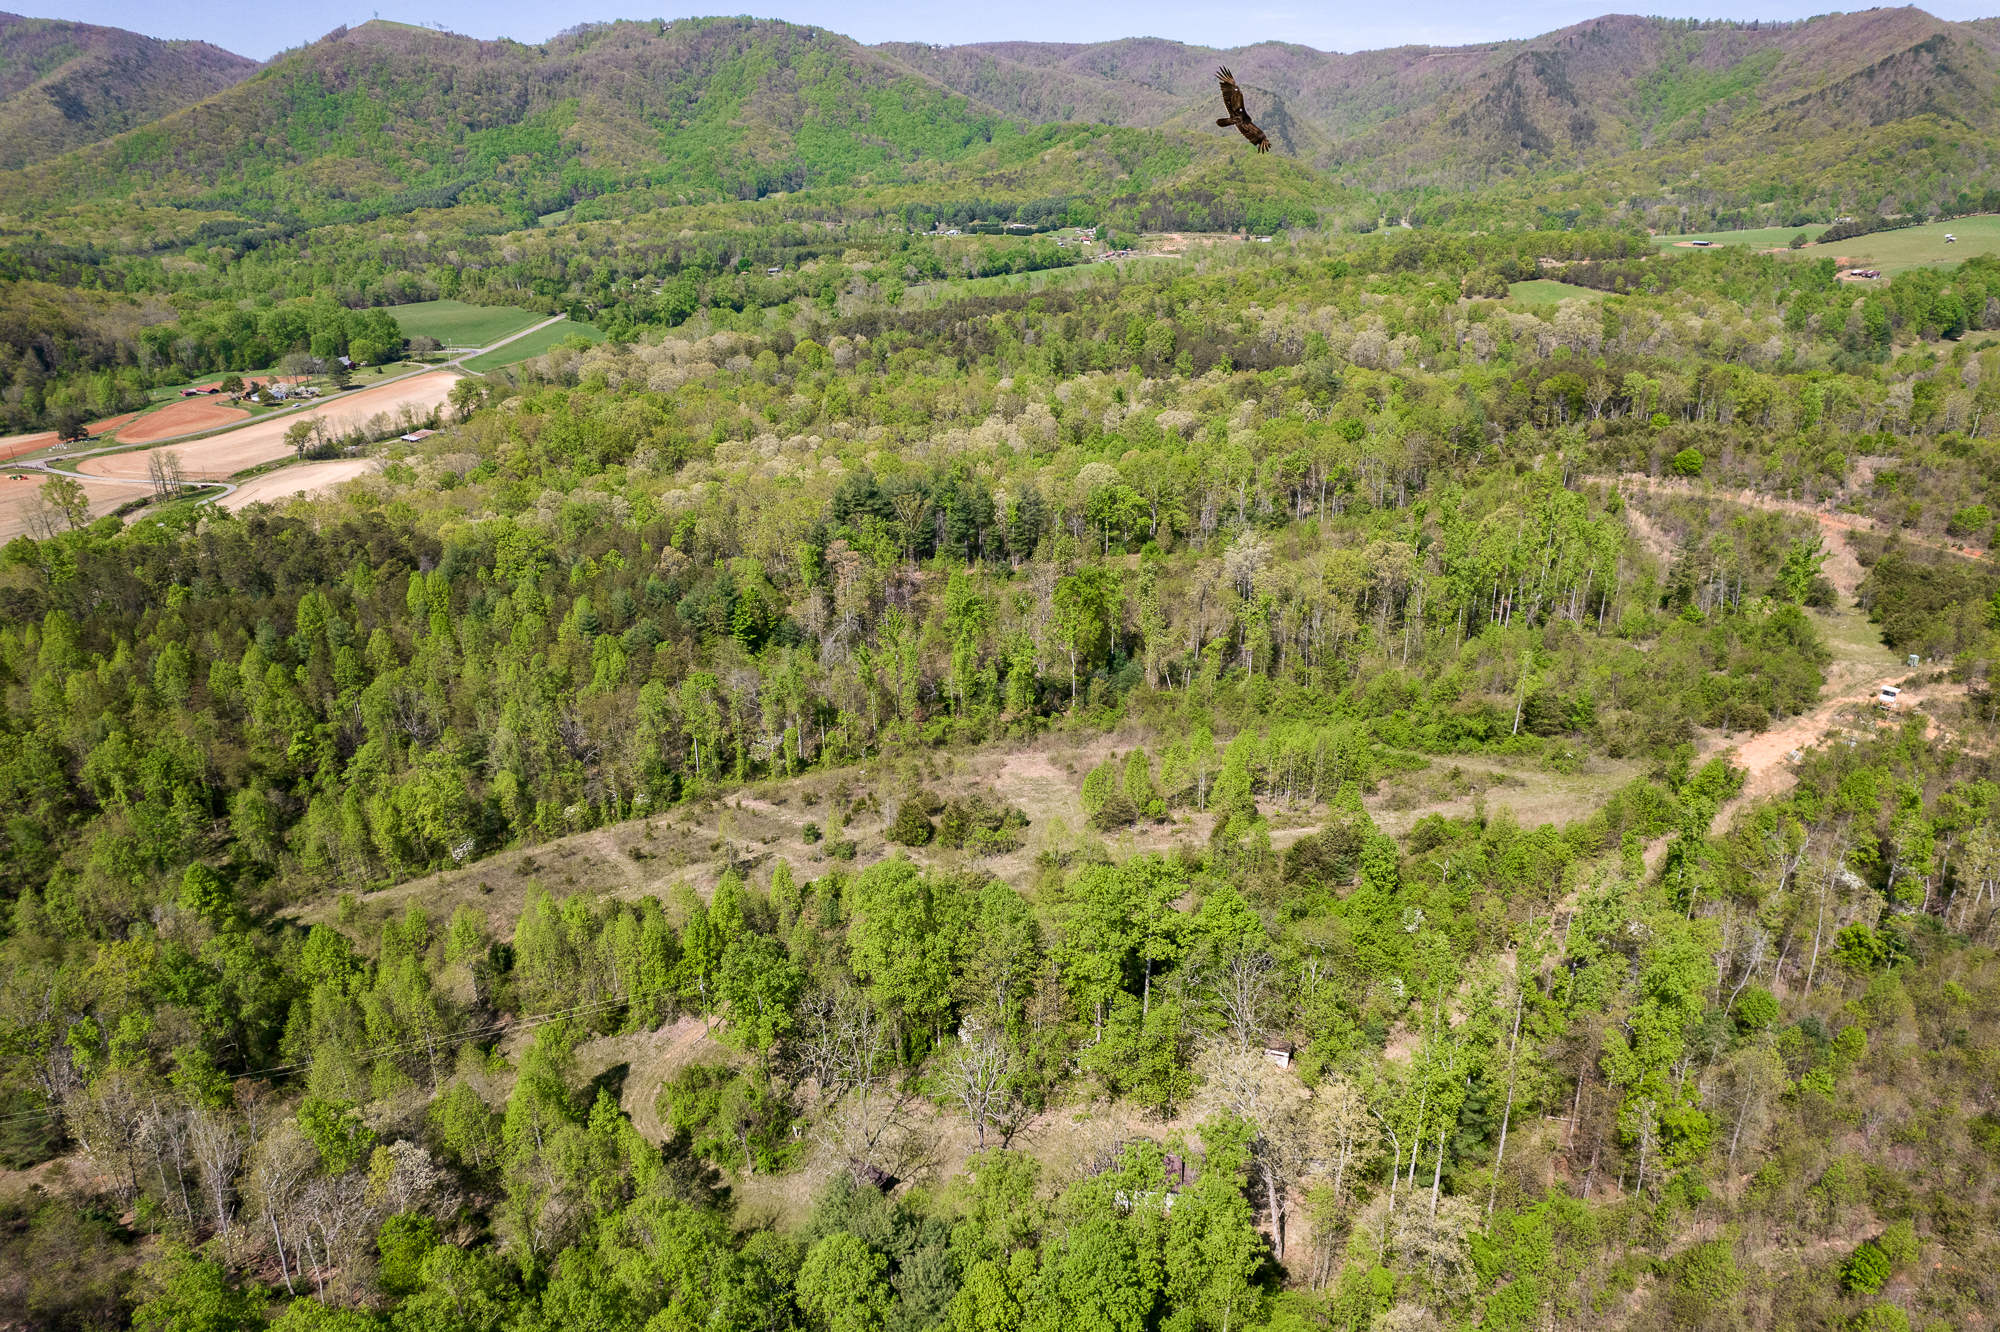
260 29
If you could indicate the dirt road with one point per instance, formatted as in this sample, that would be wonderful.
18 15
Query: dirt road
1861 663
1831 522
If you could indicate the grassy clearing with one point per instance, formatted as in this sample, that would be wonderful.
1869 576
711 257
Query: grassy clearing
1541 291
1761 238
456 324
534 344
1922 247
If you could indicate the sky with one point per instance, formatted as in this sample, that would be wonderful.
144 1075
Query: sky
253 28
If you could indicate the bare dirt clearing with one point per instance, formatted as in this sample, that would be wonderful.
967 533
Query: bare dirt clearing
308 479
222 456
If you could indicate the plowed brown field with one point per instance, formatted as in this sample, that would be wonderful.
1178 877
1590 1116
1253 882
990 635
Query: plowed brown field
222 456
182 418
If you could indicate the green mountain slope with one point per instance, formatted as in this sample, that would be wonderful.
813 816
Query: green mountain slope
1669 122
1647 90
65 84
389 113
1640 91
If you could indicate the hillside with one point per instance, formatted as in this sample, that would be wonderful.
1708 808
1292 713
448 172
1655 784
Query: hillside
852 785
1613 117
1644 93
1649 95
397 117
63 85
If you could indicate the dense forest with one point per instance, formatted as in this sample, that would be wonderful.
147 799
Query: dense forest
1253 540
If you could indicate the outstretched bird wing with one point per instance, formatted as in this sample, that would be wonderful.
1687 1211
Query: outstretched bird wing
1232 101
1232 98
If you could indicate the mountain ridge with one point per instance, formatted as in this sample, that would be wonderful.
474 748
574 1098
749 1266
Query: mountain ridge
1818 114
64 84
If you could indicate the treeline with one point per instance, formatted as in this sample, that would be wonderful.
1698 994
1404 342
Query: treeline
67 359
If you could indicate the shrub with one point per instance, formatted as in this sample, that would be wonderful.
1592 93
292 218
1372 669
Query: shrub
1704 1276
1757 1009
811 833
1866 1269
1899 1244
1973 518
1117 811
912 827
1687 463
981 823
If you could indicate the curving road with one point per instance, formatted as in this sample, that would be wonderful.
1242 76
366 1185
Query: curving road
66 465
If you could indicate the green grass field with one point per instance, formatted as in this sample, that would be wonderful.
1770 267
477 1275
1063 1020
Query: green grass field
1762 238
1544 292
1921 247
533 345
456 324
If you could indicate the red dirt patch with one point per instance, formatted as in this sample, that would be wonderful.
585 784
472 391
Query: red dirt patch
15 446
183 418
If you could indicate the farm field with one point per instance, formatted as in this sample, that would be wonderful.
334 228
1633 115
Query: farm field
286 482
1761 238
17 500
1542 291
182 418
456 324
532 345
222 456
1921 247
16 446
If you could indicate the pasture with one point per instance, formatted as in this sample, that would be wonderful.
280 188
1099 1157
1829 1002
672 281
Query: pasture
1920 247
1542 291
456 324
1761 238
534 344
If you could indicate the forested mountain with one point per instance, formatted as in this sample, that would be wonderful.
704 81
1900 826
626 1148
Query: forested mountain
397 117
1887 110
1642 92
65 84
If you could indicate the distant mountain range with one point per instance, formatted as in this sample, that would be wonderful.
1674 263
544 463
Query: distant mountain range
63 85
1607 88
1879 108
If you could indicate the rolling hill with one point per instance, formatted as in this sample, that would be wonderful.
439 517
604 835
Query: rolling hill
63 85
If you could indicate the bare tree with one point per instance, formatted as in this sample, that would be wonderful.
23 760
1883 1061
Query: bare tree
164 1130
106 1121
1241 993
218 1149
1244 1083
282 1165
979 1074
